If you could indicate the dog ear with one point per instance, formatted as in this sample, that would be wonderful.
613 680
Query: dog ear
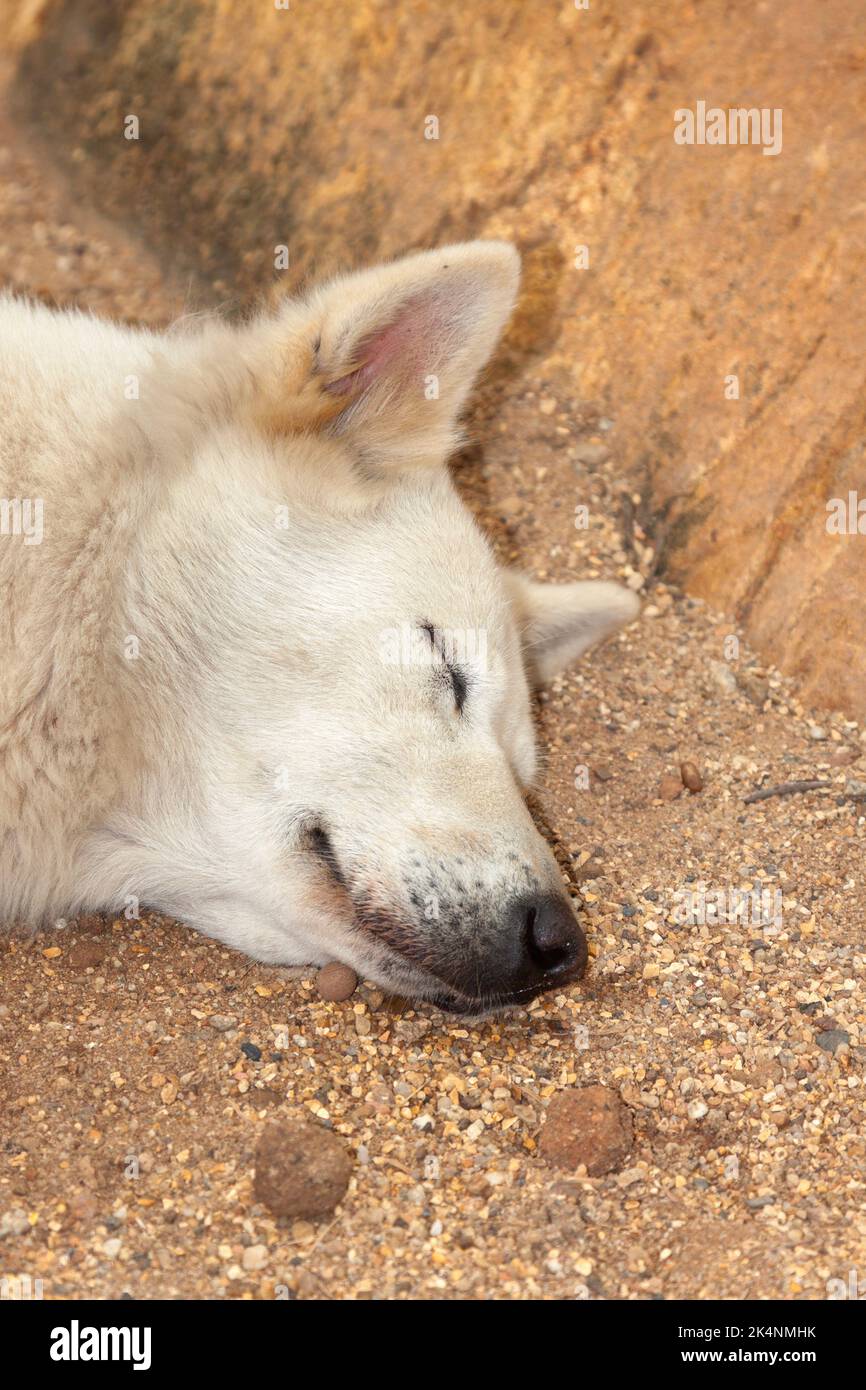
560 621
389 355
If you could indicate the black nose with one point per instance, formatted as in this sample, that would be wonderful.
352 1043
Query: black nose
554 942
540 945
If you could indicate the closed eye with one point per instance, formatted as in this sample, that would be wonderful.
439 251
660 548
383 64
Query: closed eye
456 674
460 686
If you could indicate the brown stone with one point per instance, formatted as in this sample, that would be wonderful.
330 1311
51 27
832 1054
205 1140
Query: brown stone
301 1170
764 1073
85 954
262 1096
336 982
670 787
590 1126
82 1207
691 777
755 688
843 757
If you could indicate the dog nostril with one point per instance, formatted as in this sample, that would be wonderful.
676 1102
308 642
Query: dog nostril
554 940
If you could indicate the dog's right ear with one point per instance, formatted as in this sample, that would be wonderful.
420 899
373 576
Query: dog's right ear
387 355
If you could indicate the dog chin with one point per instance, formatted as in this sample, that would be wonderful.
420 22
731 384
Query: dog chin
467 1008
451 1001
484 1007
412 983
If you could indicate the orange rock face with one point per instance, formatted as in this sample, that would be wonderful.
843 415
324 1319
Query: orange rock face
706 298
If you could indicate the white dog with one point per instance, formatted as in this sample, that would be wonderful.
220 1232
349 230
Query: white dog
258 667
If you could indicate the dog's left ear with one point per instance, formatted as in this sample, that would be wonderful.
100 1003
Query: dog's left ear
389 355
559 622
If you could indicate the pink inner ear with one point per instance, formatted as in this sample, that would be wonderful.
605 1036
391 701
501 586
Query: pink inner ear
407 340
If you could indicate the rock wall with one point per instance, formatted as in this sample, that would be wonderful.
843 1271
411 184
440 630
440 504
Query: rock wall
307 127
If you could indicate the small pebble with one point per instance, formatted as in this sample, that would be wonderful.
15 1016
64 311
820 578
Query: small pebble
753 687
843 757
336 982
255 1257
723 676
85 955
250 1050
222 1022
14 1223
591 454
691 777
670 787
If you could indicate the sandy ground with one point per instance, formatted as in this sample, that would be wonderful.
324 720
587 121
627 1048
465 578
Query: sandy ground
129 1121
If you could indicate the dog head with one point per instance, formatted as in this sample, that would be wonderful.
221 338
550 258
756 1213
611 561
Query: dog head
349 668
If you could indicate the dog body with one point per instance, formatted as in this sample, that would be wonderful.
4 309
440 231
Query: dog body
258 666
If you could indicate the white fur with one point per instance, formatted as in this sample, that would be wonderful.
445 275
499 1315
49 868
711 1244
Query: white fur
188 686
